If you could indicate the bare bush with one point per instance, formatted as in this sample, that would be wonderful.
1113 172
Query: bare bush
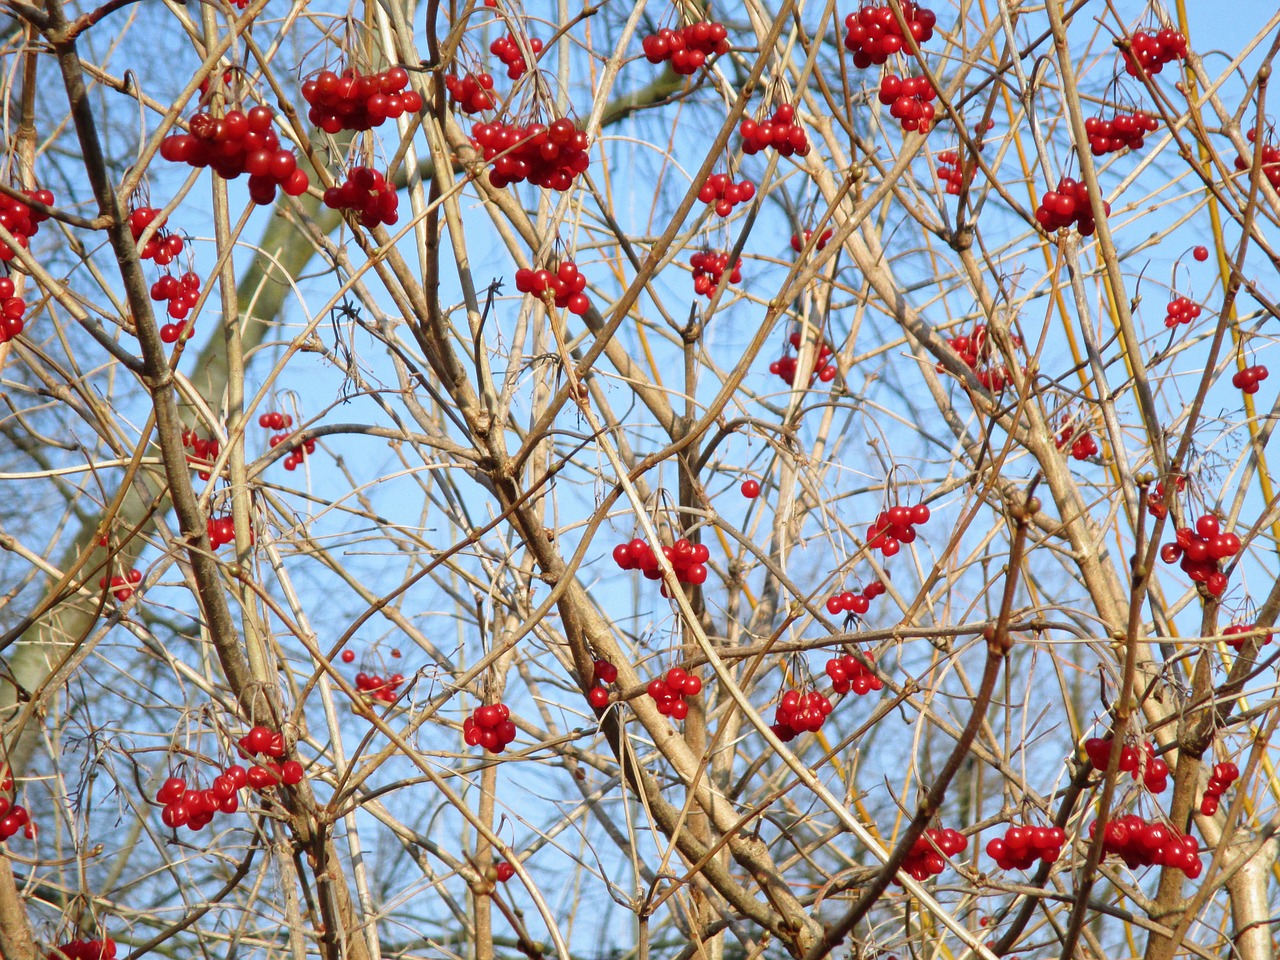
637 480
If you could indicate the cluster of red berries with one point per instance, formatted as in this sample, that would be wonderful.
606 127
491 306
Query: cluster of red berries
1153 770
264 741
1270 159
896 526
708 268
974 352
356 101
547 155
13 816
909 100
163 247
1155 499
850 602
222 530
800 712
1224 775
603 672
275 420
121 586
687 47
565 284
1153 51
1020 847
203 452
971 347
950 171
20 220
1200 549
1141 843
1067 205
1247 380
686 558
995 378
1180 310
472 94
239 142
785 368
798 241
873 34
507 50
849 673
779 131
1121 131
104 949
12 309
721 191
671 693
195 809
367 192
1237 642
380 688
926 858
1083 444
824 367
181 294
300 450
490 727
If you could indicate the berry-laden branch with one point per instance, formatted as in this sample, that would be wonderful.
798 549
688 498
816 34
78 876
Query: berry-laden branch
256 698
1106 244
780 896
534 536
156 374
998 646
586 632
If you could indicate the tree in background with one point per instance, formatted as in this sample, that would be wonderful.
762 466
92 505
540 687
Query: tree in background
656 480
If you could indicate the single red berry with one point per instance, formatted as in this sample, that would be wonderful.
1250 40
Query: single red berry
1207 525
750 489
171 791
1201 253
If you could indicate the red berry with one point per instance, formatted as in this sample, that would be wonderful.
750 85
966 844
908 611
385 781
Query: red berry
605 671
171 790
